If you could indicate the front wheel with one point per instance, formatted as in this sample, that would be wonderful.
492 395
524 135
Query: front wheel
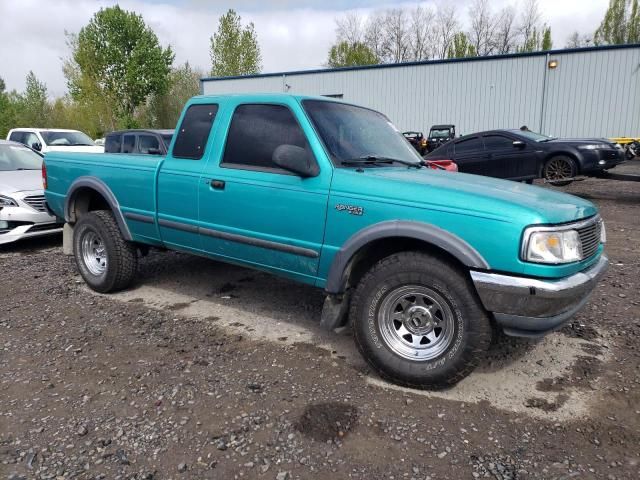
418 322
106 261
559 170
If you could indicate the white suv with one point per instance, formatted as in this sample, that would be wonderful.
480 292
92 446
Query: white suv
54 139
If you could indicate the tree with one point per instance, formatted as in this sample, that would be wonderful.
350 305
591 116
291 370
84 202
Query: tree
395 46
234 49
446 29
547 43
345 54
7 111
33 107
529 27
350 28
483 30
461 47
613 29
421 32
163 111
506 33
117 63
576 40
633 24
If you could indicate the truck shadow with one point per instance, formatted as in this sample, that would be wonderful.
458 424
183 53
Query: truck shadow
271 297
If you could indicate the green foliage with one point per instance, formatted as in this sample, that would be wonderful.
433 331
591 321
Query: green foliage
461 47
234 49
633 24
33 107
547 44
345 54
621 24
7 110
116 64
163 111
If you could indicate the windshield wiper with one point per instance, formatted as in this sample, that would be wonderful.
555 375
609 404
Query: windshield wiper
81 145
376 160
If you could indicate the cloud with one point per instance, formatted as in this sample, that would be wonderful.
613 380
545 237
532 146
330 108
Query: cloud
292 35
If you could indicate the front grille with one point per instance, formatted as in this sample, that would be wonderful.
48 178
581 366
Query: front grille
36 202
590 237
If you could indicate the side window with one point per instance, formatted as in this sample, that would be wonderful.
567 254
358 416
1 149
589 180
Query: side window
492 142
18 137
112 143
148 144
128 143
469 145
256 131
194 131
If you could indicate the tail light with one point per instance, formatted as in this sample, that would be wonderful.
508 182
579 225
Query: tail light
44 175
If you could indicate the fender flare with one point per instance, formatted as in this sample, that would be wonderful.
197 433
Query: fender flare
99 186
461 250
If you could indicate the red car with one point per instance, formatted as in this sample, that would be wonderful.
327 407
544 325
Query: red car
448 165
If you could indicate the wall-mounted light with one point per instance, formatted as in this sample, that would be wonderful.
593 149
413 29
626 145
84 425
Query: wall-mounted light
552 64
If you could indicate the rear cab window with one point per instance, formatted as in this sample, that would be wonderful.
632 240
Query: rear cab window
148 144
191 138
128 143
112 143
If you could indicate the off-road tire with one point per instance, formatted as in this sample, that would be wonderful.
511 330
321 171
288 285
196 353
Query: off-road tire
121 256
473 330
552 170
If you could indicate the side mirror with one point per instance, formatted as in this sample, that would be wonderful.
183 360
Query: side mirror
295 159
519 144
36 146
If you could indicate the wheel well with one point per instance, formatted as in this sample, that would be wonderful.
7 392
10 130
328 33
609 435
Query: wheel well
373 252
86 200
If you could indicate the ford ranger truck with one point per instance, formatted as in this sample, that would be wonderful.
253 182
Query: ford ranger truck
426 265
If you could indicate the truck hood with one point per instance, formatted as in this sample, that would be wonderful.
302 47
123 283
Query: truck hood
76 149
20 181
463 193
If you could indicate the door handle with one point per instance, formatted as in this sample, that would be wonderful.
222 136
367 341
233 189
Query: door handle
217 184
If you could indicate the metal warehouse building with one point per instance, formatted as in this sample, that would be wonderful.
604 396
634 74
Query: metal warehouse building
564 93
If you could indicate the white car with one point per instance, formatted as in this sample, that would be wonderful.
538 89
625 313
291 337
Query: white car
23 211
54 140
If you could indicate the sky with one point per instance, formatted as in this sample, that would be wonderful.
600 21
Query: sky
293 35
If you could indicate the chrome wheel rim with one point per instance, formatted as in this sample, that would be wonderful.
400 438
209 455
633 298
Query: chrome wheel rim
558 169
416 323
94 253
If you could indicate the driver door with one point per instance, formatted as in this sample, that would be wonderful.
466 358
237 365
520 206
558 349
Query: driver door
252 211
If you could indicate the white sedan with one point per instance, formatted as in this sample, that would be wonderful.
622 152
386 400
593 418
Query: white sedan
23 211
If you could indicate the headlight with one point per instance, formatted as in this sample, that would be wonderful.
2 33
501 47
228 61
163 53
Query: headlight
7 202
595 146
548 246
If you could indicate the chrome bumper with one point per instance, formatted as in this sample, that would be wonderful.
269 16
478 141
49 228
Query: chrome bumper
531 307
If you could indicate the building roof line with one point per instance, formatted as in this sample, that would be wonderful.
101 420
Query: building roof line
424 62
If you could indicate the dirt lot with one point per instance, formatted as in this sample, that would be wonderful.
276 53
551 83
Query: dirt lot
208 371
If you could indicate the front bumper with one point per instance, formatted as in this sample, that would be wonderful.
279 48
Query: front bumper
24 221
598 160
529 307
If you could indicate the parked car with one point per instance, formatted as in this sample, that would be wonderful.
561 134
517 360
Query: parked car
422 263
99 141
439 135
417 141
52 139
526 155
23 213
147 142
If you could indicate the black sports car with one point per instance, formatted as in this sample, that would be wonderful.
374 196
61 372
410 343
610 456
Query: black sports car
526 155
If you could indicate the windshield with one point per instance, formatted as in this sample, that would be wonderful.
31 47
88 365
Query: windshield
444 133
349 132
15 157
536 137
66 139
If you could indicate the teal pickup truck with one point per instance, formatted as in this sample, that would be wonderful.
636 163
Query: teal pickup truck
426 265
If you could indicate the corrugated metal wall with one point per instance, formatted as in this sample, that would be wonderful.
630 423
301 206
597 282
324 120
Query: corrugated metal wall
590 93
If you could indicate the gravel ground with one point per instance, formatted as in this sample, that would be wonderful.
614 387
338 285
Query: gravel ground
208 371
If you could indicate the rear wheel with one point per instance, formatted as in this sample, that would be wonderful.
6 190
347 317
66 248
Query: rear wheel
106 261
418 322
559 169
